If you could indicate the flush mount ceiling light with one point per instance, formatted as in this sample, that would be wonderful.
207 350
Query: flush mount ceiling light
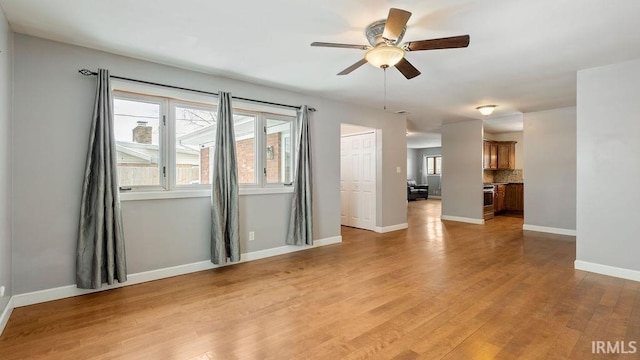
486 110
384 56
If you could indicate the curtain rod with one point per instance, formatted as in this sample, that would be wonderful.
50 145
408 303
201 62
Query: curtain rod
86 72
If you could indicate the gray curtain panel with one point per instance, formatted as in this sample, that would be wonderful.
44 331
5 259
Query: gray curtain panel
225 229
100 249
300 222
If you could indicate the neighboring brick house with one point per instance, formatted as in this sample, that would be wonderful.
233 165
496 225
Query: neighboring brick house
245 154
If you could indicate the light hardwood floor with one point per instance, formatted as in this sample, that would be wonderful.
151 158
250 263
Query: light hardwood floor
438 290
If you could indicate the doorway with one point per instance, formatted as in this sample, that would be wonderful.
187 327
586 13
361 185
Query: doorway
358 165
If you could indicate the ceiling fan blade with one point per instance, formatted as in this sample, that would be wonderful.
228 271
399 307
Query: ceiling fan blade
335 45
442 43
353 67
409 71
396 21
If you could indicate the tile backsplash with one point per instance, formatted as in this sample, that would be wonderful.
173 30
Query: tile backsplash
510 176
488 176
503 176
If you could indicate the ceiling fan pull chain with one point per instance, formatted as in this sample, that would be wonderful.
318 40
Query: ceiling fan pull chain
385 87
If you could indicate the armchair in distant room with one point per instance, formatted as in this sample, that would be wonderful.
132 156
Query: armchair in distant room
417 191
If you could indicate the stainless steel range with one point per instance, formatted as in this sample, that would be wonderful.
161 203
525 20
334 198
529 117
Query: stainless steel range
487 210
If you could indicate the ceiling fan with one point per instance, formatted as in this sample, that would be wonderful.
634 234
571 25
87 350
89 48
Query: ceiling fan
385 49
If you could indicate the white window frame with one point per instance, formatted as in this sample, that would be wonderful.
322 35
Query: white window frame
287 139
436 170
162 136
256 148
279 117
173 185
167 147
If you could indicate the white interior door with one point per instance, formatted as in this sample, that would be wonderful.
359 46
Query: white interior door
367 182
358 181
344 181
355 169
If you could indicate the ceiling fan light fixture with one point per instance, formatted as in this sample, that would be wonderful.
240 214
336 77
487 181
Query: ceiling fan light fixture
384 55
486 110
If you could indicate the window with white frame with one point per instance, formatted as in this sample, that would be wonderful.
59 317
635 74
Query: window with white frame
279 154
168 144
139 132
434 165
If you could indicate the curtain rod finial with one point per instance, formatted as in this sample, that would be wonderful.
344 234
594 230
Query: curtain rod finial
85 72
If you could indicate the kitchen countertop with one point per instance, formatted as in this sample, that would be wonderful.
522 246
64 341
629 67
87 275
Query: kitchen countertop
504 183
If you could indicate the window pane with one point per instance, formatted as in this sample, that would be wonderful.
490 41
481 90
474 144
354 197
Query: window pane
278 151
430 165
137 142
245 132
195 136
439 165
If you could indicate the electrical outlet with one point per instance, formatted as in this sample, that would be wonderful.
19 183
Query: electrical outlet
398 169
252 235
1 291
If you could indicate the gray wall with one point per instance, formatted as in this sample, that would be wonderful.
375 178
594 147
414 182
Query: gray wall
608 165
52 108
550 158
462 170
412 161
5 158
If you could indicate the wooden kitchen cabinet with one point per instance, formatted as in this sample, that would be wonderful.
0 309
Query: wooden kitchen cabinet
493 160
514 197
499 155
486 154
507 155
490 155
499 198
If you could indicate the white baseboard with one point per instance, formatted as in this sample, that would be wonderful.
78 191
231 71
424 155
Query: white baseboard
550 230
261 254
462 219
328 241
607 270
435 197
132 279
386 229
6 313
62 292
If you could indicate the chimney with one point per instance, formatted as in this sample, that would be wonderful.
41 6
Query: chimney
142 133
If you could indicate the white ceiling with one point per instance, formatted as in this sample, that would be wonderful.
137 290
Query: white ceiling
523 55
502 124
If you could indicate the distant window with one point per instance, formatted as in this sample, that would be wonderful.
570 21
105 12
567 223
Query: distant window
167 144
434 165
